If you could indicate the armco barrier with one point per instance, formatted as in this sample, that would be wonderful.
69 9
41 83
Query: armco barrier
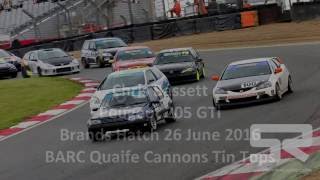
249 19
305 10
228 22
207 24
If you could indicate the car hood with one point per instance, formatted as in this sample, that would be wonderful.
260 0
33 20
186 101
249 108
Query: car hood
59 61
118 112
136 62
242 83
175 66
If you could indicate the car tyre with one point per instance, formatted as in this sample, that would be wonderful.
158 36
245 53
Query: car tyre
152 125
40 72
278 95
24 72
101 63
290 85
85 64
14 75
172 117
203 75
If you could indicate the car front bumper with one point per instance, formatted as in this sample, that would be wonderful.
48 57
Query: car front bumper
251 96
61 70
181 77
113 126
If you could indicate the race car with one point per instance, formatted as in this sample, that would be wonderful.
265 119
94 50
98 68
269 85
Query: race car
133 57
100 51
130 78
180 65
10 58
250 81
49 62
132 109
7 69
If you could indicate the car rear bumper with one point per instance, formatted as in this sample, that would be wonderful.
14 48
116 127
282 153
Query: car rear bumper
175 78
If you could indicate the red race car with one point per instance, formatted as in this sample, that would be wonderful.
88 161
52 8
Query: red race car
133 57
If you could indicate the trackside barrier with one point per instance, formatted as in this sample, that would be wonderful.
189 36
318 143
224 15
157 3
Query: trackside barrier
249 19
305 10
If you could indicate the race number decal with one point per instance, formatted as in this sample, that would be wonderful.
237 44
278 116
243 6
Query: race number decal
249 84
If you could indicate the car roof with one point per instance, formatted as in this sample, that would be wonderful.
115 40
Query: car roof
256 60
133 48
130 71
115 90
109 38
176 49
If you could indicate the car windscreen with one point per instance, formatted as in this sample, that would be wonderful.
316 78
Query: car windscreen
46 55
124 98
123 80
4 54
246 70
107 44
174 57
133 54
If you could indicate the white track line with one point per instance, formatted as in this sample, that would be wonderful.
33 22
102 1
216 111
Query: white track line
53 112
74 102
26 124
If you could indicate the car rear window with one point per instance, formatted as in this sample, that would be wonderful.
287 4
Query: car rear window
123 80
174 57
135 54
246 70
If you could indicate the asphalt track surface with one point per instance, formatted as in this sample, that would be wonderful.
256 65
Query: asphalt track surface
24 156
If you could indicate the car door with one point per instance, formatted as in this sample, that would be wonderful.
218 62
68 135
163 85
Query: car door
159 108
84 50
162 80
33 62
93 52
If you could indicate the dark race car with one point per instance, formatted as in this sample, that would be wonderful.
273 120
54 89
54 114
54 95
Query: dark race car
132 108
7 69
10 58
180 65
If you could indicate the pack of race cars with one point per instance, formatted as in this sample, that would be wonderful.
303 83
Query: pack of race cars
138 94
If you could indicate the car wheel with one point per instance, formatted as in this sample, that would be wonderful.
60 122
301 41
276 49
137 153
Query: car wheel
40 72
278 93
172 117
85 64
14 75
24 73
96 136
152 125
101 63
290 85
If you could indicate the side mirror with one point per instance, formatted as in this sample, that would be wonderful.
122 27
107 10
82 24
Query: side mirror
199 60
215 78
155 101
95 109
278 70
34 60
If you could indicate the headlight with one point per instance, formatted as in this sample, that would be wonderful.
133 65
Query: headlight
11 66
136 116
220 91
190 69
264 85
94 122
76 62
48 66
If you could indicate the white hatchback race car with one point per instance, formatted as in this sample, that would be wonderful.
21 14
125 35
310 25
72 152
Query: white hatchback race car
250 81
49 62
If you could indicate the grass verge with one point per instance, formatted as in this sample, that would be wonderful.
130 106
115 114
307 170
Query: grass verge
23 98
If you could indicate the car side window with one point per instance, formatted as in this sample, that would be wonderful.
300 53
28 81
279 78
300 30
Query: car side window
32 56
273 66
158 92
150 77
91 46
86 45
156 73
